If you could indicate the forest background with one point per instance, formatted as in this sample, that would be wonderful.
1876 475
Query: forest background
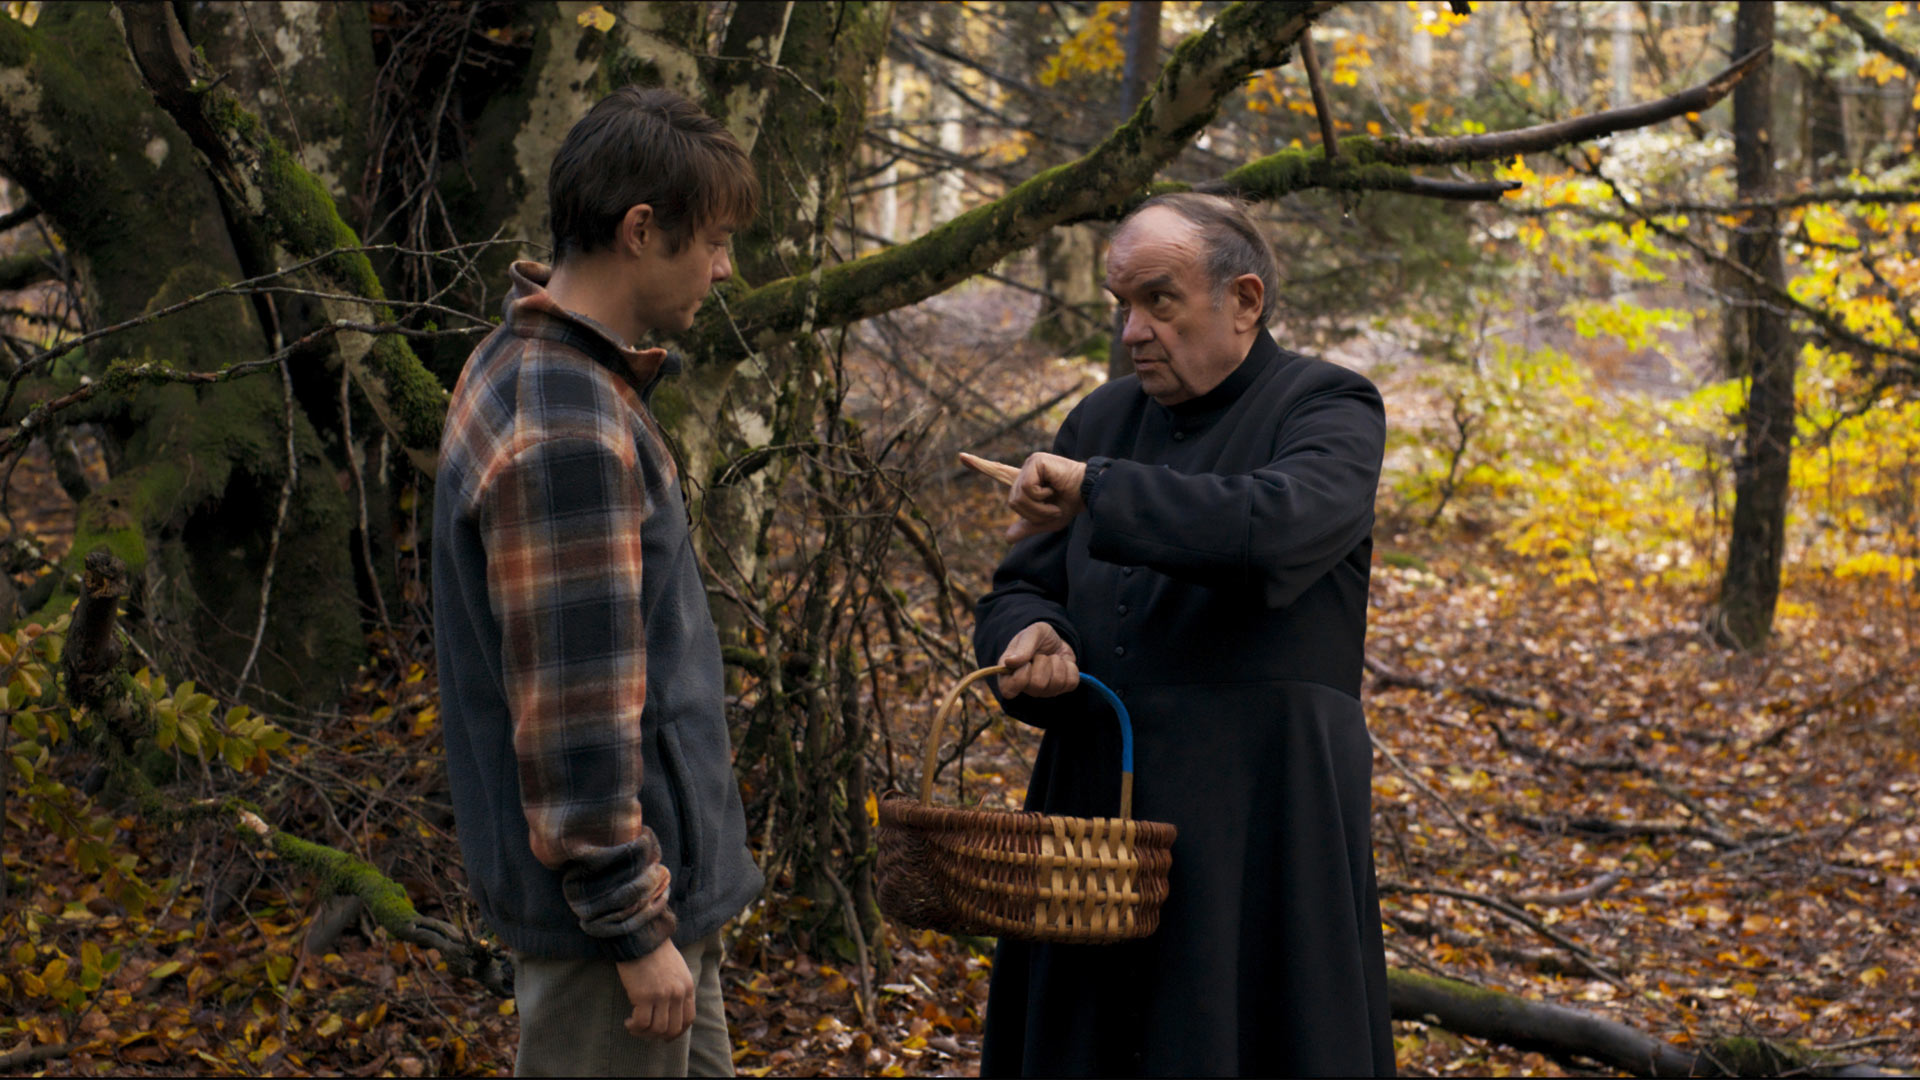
1637 281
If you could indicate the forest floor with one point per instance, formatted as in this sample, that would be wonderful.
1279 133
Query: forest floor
1577 799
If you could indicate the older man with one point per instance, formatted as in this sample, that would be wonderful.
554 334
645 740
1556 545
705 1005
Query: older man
1199 539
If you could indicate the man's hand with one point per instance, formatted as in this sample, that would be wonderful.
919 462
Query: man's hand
1041 664
661 990
1046 495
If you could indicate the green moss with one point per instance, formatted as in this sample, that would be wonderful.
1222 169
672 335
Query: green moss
385 899
1400 560
1451 987
1747 1056
669 405
301 217
118 515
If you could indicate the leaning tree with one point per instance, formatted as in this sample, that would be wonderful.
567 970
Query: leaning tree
285 240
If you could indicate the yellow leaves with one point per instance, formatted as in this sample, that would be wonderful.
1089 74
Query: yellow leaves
171 967
1526 177
597 17
1093 49
873 809
1350 56
1880 69
1873 976
1435 20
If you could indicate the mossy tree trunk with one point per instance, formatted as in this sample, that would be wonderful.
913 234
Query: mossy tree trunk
190 465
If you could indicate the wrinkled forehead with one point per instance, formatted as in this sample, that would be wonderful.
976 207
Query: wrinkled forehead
1157 241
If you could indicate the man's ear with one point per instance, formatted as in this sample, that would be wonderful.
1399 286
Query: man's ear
1249 295
636 231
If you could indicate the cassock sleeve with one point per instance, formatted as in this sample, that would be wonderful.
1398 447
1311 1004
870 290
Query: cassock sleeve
1276 529
1030 586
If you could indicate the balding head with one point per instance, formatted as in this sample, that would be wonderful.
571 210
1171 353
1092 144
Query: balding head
1231 243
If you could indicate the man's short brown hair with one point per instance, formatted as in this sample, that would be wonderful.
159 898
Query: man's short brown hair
646 145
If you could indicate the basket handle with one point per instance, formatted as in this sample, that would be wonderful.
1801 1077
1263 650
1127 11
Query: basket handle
953 699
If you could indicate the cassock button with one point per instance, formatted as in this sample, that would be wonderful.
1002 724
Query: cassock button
1119 650
1126 571
1123 609
1179 435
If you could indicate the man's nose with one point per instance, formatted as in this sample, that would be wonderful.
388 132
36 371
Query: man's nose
722 267
1136 331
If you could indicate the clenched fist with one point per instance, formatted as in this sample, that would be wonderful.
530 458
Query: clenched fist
1042 665
1046 495
660 987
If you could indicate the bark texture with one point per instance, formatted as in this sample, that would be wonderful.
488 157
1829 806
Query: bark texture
1759 348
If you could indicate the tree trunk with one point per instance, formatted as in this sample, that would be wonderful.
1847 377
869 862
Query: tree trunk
1759 349
191 465
1072 314
1143 55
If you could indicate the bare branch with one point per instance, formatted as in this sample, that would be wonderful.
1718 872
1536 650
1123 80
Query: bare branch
1876 40
1499 145
1202 71
20 215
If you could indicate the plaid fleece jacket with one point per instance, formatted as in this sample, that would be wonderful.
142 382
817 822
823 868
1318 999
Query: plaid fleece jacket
555 493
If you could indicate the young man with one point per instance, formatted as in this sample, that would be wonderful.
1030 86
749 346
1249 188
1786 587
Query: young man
580 672
1200 540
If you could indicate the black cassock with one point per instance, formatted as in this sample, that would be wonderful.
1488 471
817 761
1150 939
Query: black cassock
1218 582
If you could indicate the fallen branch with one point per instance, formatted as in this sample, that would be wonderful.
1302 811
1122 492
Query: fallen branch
29 1056
1596 826
1542 960
387 902
1388 675
1484 1013
93 665
1593 890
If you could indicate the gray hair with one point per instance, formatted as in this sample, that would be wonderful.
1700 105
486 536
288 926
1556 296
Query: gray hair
1233 242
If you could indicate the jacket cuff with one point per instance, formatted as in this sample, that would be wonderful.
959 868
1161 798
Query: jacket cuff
644 941
1090 482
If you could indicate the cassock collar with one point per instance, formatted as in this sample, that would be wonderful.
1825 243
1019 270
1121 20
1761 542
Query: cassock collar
1263 353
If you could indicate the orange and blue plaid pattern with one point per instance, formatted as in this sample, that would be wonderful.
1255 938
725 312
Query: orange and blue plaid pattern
554 455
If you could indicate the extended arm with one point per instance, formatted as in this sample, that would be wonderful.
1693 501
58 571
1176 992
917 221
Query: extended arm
1277 529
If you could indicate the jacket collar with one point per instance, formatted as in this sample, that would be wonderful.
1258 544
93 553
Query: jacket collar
531 311
1234 385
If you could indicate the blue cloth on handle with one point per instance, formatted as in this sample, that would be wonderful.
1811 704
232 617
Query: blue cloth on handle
1126 725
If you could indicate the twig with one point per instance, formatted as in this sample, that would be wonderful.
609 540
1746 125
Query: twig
1465 827
1586 957
852 918
279 525
360 499
1320 110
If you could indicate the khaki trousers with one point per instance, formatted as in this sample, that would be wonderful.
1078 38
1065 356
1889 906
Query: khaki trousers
572 1012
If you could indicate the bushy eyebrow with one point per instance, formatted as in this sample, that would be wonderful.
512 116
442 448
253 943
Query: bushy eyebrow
1160 282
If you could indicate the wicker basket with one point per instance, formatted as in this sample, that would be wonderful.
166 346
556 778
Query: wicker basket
1034 877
